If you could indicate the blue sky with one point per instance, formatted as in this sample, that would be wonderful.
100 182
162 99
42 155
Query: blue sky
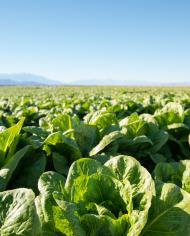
72 40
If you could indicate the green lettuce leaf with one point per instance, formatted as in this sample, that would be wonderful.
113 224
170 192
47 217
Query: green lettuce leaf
8 169
18 214
174 172
8 141
169 214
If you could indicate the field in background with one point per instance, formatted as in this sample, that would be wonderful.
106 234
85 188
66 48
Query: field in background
59 90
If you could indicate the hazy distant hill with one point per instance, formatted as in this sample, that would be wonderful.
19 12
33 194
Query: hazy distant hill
105 82
32 79
26 79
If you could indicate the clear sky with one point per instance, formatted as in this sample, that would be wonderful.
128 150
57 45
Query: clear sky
71 40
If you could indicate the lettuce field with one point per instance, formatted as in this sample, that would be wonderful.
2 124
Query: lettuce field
94 161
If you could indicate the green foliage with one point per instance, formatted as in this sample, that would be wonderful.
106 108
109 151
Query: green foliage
18 214
87 204
94 161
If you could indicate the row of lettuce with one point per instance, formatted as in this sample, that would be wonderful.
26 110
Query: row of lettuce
116 198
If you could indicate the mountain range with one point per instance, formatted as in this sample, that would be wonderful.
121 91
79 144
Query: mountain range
27 79
105 82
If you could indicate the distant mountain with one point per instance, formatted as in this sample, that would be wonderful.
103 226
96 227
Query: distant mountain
102 82
105 82
26 79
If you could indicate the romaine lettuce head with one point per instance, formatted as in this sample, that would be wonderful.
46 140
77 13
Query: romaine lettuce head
96 199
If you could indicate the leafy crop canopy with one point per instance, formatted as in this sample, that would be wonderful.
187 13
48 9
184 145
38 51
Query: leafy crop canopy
94 161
